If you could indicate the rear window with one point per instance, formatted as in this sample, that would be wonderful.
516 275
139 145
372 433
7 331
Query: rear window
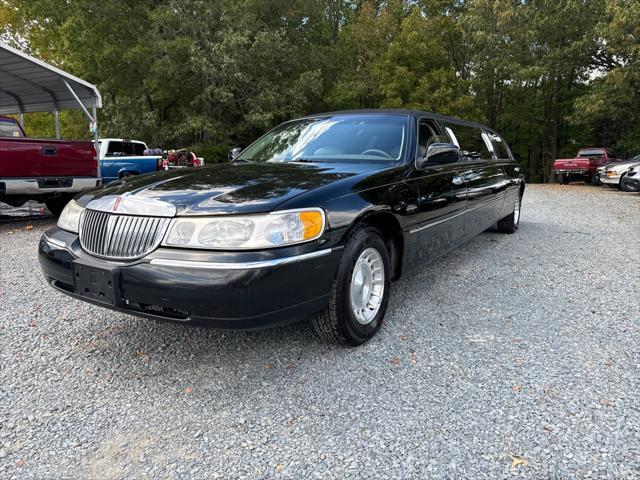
591 152
10 128
121 149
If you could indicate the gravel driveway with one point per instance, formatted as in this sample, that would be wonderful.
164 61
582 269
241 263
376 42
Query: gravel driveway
513 356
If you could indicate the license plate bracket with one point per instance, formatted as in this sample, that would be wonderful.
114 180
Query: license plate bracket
96 283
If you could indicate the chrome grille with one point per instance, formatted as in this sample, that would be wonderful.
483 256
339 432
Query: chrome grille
120 237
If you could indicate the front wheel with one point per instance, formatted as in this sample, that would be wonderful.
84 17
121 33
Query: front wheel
509 224
360 292
624 186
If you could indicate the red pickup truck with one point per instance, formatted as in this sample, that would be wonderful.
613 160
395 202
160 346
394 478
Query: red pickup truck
584 166
52 171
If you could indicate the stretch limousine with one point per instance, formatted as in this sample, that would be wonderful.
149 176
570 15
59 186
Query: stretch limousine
314 219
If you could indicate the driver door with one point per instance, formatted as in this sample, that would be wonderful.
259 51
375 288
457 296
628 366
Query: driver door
441 198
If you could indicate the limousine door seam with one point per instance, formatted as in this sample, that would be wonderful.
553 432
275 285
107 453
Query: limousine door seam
433 224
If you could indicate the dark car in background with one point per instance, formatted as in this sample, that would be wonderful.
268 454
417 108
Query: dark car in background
315 218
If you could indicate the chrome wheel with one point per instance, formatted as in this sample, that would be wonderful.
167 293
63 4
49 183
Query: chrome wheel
367 286
516 210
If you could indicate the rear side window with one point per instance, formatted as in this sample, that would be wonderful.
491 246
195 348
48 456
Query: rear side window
469 139
10 128
500 147
138 148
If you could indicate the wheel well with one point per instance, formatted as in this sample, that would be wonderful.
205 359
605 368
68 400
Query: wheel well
391 232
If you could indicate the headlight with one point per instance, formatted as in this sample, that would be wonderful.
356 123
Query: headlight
70 217
248 232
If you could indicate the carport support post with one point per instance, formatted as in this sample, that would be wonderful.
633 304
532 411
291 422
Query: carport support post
22 120
96 136
94 123
56 123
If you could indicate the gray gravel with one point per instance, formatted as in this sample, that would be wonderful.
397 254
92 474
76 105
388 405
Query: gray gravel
514 348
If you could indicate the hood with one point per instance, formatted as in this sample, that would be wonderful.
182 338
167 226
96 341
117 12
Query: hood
222 188
622 164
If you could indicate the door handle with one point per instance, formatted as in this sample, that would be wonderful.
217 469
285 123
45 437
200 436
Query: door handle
48 151
457 180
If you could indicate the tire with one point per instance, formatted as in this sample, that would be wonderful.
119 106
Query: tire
339 322
563 179
57 204
595 180
623 185
510 223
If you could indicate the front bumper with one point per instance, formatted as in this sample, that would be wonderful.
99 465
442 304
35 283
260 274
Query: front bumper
236 290
610 180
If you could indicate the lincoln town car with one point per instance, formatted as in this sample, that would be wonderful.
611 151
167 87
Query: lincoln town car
312 220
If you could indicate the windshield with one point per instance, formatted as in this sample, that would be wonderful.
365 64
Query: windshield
9 128
591 152
339 138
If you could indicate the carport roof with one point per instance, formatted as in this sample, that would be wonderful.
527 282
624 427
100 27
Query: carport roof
31 85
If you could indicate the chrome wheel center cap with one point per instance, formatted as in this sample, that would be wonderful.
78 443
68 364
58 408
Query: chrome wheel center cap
367 286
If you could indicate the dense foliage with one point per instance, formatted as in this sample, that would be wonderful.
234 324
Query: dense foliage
551 75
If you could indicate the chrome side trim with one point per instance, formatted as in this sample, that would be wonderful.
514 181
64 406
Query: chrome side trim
438 222
167 262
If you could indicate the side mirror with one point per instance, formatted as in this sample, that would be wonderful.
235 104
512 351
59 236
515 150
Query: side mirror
234 152
439 153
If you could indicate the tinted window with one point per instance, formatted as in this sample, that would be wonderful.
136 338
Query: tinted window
138 148
469 139
119 149
499 146
427 135
337 138
115 149
9 128
591 153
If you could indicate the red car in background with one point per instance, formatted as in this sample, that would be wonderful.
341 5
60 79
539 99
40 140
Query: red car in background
50 171
584 166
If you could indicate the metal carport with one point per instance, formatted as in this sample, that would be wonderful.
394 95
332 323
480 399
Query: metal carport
31 85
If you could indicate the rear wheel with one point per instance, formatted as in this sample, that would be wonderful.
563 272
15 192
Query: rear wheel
57 204
360 292
563 178
509 224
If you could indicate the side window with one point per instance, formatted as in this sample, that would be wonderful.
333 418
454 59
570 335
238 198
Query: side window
115 149
499 146
427 135
469 139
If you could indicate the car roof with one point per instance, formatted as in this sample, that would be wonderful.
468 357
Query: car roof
402 111
120 140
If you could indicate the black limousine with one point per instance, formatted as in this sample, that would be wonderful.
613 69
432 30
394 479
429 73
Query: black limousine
314 219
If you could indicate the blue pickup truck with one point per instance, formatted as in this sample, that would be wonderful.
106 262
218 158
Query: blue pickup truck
121 157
